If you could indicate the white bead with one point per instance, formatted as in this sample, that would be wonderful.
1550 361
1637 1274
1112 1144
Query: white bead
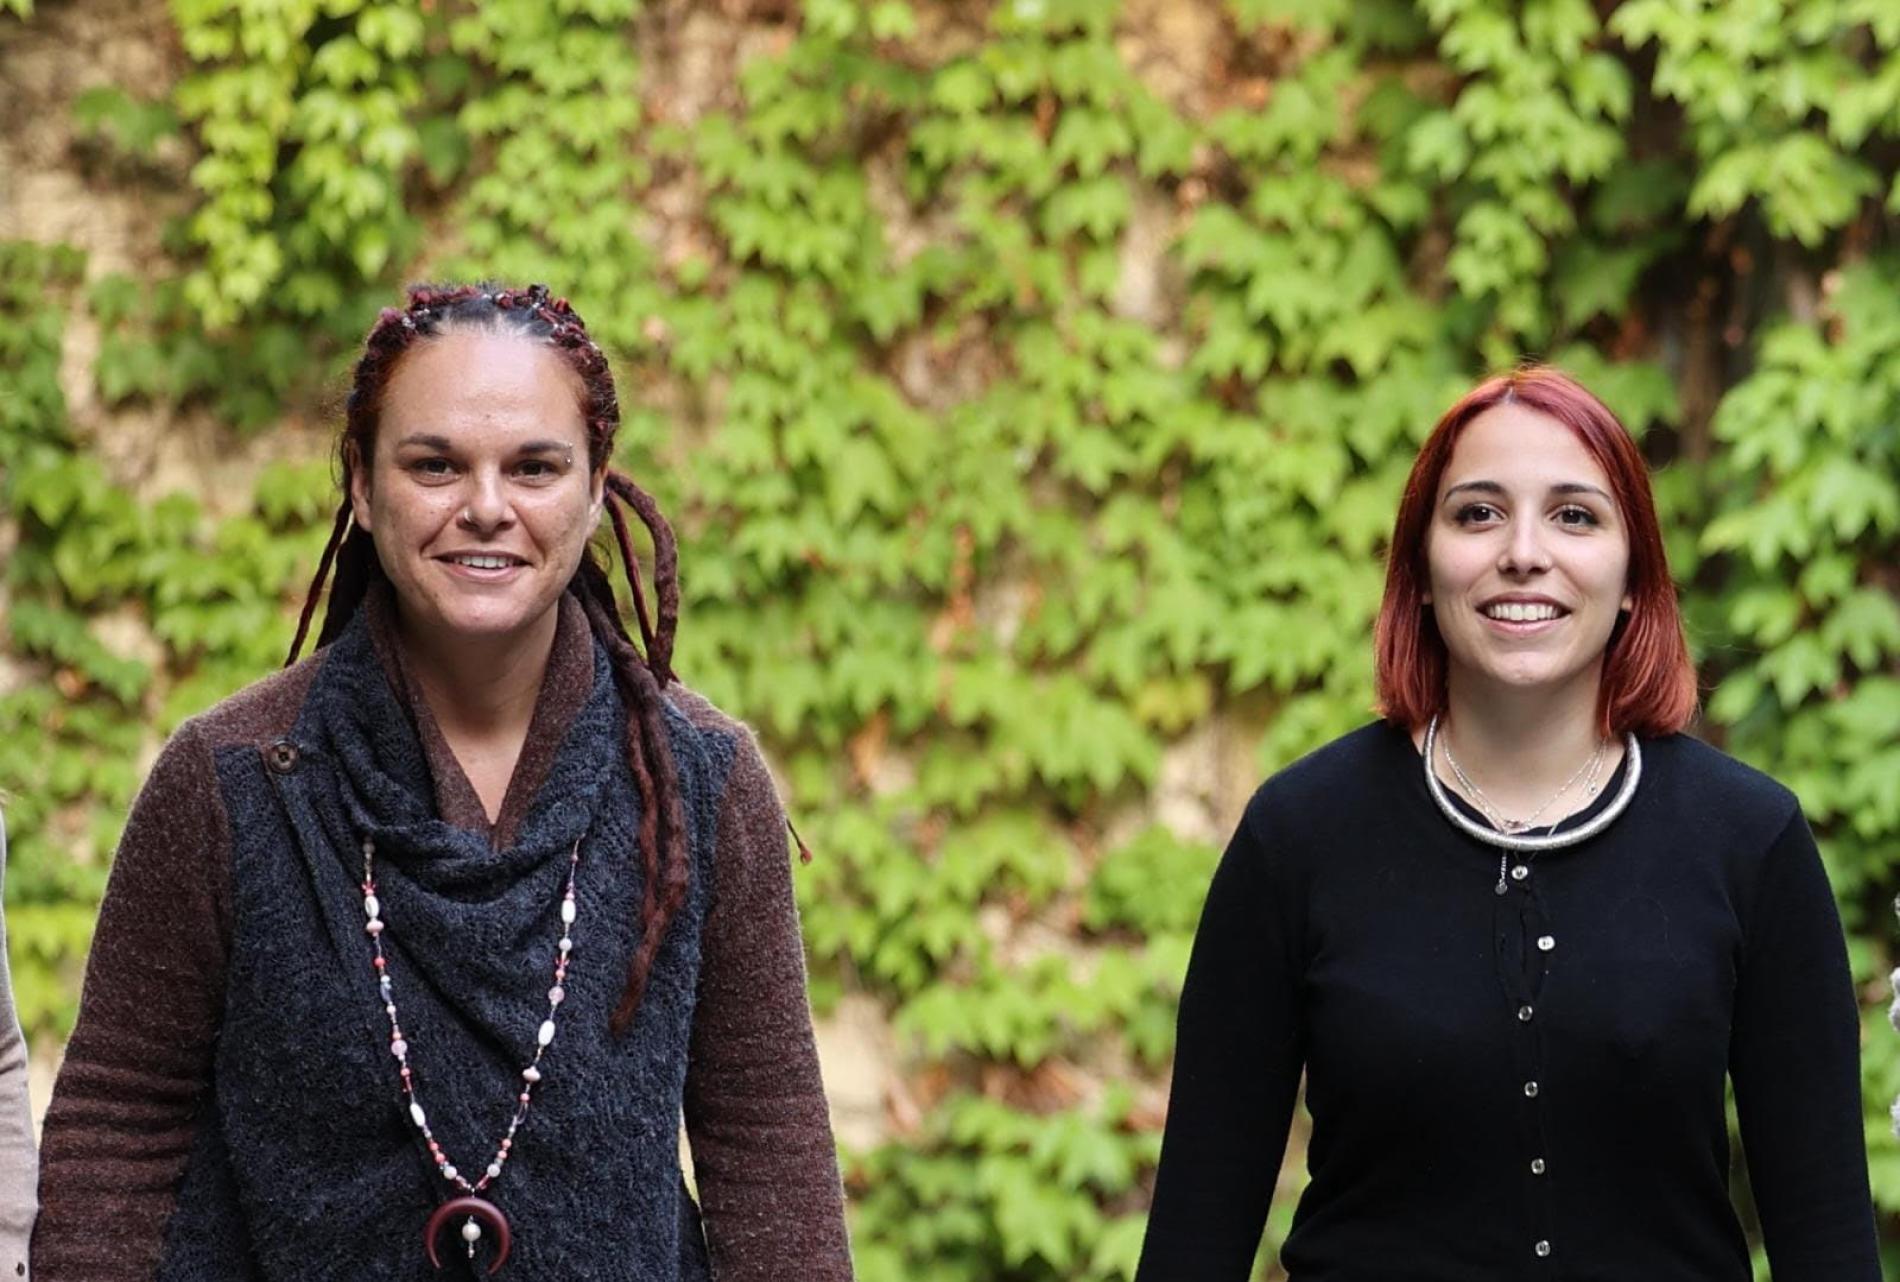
531 1073
567 911
374 926
494 1169
567 945
399 1048
471 1232
557 994
449 1172
371 906
546 1034
415 1113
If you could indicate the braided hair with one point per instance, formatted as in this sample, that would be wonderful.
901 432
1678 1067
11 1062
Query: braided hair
640 673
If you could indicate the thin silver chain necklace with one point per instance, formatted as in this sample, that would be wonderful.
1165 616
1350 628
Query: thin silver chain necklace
1531 843
1591 766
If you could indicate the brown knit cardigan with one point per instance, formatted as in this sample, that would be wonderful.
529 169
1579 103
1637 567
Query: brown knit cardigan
120 1126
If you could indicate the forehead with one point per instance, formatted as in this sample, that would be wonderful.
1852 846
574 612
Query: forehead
1522 449
478 387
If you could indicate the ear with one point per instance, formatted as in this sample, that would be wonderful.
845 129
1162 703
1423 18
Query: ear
597 488
359 487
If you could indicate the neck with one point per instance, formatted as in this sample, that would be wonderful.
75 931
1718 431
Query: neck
480 688
1520 746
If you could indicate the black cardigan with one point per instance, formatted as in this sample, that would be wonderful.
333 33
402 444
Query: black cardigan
1526 1085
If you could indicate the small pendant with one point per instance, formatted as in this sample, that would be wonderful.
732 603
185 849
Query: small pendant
475 1212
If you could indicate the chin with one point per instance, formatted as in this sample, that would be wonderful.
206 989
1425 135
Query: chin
486 619
1534 679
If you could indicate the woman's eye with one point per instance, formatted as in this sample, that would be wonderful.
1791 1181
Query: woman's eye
430 469
535 469
1475 512
1576 516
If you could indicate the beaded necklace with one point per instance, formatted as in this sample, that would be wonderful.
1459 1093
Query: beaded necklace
474 1209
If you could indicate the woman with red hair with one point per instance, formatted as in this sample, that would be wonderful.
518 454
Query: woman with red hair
1521 933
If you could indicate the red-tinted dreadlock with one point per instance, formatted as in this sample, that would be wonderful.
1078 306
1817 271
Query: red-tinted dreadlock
639 673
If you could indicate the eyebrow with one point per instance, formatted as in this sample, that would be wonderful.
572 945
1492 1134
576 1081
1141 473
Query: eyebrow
1562 487
425 440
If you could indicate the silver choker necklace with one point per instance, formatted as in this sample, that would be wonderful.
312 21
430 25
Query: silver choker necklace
1633 761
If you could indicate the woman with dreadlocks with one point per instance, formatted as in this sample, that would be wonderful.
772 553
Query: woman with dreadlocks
415 953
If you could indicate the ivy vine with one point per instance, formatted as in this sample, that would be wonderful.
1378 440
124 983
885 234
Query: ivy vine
979 520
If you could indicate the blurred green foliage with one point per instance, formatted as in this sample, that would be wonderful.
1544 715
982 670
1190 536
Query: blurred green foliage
955 496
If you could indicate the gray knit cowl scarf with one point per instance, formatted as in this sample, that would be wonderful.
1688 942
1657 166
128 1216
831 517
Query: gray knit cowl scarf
307 1165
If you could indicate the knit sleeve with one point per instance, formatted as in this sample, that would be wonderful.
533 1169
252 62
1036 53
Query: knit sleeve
1794 1055
1237 1060
17 1163
121 1122
756 1117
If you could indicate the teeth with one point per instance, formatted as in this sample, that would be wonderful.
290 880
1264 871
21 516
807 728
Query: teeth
484 562
1519 612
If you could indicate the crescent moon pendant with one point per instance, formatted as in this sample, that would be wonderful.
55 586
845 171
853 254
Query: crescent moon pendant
473 1208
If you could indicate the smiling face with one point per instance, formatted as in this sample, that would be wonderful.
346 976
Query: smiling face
479 494
1527 556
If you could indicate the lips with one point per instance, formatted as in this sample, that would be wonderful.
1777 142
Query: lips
1516 613
482 569
482 560
1522 609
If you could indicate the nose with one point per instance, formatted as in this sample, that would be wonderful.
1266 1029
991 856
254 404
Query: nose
1523 551
488 508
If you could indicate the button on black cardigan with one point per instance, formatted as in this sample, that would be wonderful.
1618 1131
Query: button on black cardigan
1527 1085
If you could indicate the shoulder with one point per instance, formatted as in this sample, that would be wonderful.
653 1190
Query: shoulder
184 775
702 715
1355 765
1293 818
261 712
749 828
1689 776
726 741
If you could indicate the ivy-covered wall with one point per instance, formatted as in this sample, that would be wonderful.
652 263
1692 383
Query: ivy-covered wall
1032 383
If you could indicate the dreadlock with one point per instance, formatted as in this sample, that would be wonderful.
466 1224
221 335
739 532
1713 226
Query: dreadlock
640 673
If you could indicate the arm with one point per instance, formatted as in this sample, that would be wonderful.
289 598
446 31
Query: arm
17 1163
1237 1065
756 1117
1794 1055
120 1125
